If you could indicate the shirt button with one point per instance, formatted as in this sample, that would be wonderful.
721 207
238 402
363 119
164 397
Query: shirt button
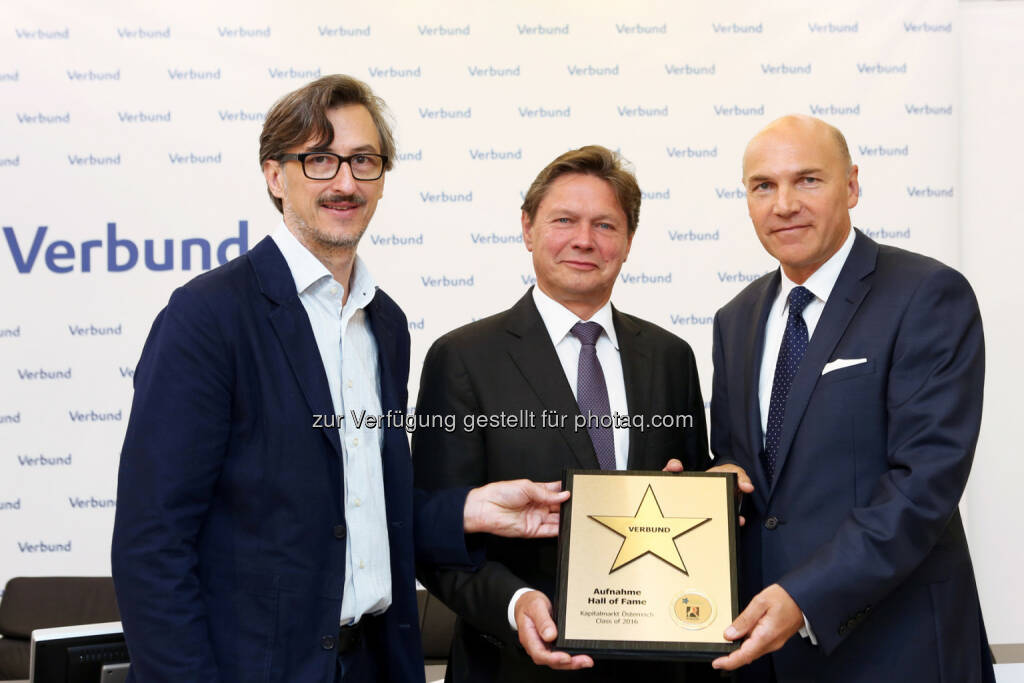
771 523
334 290
362 565
327 642
355 441
349 384
357 502
339 531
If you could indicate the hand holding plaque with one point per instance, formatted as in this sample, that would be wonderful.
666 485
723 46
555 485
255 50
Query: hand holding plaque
646 564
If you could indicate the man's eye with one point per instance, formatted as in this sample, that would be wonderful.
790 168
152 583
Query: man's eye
319 159
762 186
811 181
361 159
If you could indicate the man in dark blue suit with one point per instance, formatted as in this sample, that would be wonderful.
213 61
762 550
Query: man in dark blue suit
259 535
849 386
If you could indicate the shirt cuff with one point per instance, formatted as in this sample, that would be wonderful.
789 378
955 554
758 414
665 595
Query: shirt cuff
512 607
805 632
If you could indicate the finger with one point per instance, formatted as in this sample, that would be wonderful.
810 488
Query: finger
748 652
673 465
747 619
539 611
538 649
545 494
743 482
743 520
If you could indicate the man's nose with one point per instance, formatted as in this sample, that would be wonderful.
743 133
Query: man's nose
583 236
786 201
344 182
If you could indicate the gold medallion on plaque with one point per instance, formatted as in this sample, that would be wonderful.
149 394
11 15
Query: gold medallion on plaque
693 610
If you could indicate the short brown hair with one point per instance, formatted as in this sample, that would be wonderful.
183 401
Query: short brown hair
592 160
302 114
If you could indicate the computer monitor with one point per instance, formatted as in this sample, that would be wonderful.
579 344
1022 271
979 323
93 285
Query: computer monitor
75 654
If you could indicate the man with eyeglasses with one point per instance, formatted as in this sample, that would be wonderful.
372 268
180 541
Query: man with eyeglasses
252 542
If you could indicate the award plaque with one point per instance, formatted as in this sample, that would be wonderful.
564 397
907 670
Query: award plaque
646 564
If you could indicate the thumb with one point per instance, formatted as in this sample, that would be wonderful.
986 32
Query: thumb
548 493
746 621
538 611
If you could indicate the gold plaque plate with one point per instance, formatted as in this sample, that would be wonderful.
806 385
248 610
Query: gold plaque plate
647 564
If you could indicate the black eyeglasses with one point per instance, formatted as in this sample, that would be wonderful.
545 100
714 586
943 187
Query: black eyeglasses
325 165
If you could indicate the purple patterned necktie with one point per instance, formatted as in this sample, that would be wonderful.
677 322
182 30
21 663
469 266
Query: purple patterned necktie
592 394
794 345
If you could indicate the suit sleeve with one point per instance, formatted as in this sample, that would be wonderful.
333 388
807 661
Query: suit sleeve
439 522
721 438
696 459
934 399
444 456
172 455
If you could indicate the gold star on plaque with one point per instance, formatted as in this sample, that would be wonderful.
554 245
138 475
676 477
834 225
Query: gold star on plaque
649 531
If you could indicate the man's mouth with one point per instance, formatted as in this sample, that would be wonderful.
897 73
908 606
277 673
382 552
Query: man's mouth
581 265
342 204
789 228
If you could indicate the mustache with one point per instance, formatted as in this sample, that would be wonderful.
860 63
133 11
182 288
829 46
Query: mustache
342 198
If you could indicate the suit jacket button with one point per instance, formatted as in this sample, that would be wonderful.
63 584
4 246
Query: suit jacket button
327 642
771 523
339 531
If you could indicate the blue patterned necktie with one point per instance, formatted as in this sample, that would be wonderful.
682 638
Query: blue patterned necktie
794 345
592 394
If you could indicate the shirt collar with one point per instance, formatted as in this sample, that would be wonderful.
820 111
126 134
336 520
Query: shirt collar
307 270
823 280
559 320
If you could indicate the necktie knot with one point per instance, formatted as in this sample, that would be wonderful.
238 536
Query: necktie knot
587 333
798 300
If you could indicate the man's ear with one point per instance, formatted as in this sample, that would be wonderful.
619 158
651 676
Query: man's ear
527 231
274 173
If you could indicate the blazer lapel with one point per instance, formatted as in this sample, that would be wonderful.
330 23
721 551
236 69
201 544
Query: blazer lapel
636 373
753 350
532 352
846 297
383 327
291 325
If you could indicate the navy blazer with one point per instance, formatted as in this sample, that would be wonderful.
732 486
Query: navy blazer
860 524
229 540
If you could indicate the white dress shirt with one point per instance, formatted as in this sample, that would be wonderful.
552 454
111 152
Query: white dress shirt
820 284
349 354
559 320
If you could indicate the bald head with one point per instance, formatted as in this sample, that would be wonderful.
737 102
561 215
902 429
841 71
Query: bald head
808 128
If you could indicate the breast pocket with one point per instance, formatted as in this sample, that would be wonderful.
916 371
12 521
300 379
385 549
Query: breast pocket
848 372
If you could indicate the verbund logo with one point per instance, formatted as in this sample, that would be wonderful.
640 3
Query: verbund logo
243 32
691 319
240 115
886 233
392 72
45 119
880 69
443 113
641 111
90 75
544 113
144 33
443 31
655 195
883 151
344 31
44 374
829 27
10 162
193 158
925 27
397 240
92 160
410 156
690 69
737 110
144 116
10 504
10 332
494 155
786 69
193 75
591 70
91 503
44 547
835 110
529 279
542 30
692 152
10 76
646 278
446 197
928 110
126 372
641 29
929 192
420 324
94 331
491 71
60 256
738 28
738 276
44 461
93 416
445 281
726 193
691 236
495 238
43 34
11 418
291 72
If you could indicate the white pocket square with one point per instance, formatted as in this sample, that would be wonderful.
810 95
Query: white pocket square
839 363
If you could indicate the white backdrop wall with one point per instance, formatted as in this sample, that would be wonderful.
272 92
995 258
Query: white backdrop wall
128 164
